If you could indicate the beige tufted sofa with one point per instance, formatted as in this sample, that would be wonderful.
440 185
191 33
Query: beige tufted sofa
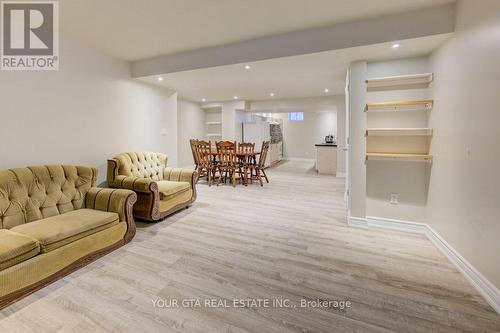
160 190
54 221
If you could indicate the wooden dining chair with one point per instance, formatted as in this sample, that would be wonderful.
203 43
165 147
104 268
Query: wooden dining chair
192 143
246 147
257 171
226 153
245 160
206 167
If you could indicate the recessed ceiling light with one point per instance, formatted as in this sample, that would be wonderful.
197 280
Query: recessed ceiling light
203 99
395 46
326 90
235 97
247 67
160 79
271 94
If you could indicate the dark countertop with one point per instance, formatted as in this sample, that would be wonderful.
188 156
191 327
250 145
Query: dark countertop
326 145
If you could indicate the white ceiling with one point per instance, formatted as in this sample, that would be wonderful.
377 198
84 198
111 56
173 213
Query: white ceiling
139 29
290 77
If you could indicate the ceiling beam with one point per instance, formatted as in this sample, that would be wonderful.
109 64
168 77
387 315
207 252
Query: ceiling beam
418 23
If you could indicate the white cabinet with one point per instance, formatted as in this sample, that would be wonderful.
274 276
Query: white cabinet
326 159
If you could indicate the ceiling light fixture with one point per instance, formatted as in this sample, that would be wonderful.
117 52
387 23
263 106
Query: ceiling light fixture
271 94
395 46
203 99
160 79
247 67
235 97
326 90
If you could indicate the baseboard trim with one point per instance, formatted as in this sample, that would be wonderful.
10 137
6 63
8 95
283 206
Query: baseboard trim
400 225
300 159
489 291
357 222
478 280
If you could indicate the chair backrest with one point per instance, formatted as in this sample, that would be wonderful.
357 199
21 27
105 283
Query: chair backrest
137 164
192 143
203 152
226 151
37 192
246 147
263 153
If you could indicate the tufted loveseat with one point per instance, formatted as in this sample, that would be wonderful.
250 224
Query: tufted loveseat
160 190
54 221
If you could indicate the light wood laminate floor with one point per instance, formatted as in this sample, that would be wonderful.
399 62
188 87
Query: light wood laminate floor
287 240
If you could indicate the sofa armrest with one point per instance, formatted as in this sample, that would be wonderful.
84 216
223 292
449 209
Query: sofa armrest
180 175
136 184
114 200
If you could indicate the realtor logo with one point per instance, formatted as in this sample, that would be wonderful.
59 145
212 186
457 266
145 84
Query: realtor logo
30 35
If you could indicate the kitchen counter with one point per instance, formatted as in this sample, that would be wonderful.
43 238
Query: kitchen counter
326 158
326 145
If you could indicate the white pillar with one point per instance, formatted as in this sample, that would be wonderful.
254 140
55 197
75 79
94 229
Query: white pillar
357 128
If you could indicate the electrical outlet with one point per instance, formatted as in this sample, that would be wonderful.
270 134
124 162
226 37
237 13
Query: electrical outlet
394 198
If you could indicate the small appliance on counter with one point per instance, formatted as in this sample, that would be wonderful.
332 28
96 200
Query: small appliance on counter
329 139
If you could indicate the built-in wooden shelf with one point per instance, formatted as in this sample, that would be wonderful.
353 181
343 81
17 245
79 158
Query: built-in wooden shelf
404 105
400 81
214 134
213 123
393 156
399 131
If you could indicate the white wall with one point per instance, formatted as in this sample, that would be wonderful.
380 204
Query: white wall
191 125
460 197
82 114
299 137
464 192
408 179
230 120
321 116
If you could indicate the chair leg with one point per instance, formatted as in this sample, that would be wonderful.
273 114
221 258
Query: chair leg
244 176
265 176
250 176
257 171
198 170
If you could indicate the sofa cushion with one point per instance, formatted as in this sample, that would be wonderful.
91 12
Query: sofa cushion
57 231
15 248
169 189
140 164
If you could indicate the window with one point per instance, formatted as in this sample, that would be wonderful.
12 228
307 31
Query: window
296 116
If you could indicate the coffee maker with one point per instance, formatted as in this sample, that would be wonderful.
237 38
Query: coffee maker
329 139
